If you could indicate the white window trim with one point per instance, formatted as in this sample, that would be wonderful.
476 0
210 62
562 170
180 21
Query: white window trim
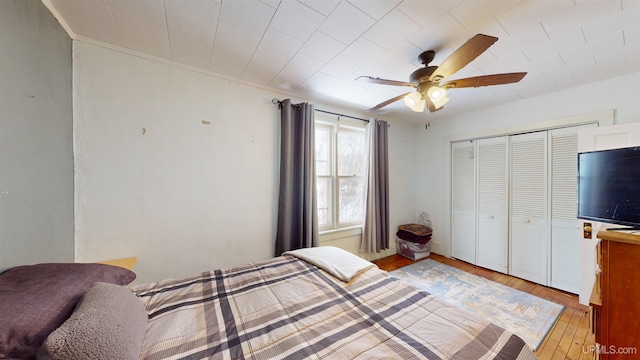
336 125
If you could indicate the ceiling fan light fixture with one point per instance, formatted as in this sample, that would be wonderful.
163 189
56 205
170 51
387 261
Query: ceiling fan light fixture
414 101
436 93
438 96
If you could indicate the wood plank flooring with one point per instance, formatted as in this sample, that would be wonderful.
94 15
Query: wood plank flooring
570 337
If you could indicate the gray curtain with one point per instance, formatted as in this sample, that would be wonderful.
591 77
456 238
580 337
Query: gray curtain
375 235
297 213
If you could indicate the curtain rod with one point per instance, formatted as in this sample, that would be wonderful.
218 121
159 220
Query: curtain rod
276 101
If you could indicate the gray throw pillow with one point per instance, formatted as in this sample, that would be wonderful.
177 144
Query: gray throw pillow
108 323
37 299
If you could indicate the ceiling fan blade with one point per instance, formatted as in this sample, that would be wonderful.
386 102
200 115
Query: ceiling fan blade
464 55
377 80
486 80
385 103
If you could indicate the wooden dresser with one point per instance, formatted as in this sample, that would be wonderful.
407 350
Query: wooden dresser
616 296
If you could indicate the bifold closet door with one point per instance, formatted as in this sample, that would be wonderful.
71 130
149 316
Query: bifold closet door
463 195
529 239
565 228
493 205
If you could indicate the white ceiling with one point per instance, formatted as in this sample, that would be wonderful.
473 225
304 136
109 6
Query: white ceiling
317 48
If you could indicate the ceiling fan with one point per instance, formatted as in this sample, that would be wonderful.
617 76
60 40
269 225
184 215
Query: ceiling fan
430 91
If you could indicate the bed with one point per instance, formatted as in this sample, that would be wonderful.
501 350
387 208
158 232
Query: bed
320 303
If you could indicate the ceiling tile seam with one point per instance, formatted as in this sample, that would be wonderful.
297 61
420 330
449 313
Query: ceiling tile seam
215 36
324 33
260 42
338 54
561 59
387 13
514 5
316 30
502 26
357 8
405 14
166 26
360 36
305 42
545 30
335 57
420 28
291 59
340 41
584 36
458 21
267 3
124 41
314 10
423 28
313 57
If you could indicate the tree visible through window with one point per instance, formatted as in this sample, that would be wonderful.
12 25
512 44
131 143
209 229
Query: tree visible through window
340 171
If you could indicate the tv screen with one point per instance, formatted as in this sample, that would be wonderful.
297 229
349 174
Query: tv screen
609 186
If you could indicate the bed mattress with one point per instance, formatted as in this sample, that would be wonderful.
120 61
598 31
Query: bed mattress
286 308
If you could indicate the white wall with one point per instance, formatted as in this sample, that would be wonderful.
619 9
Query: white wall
36 155
433 145
179 168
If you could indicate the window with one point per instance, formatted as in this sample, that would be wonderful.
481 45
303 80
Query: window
340 172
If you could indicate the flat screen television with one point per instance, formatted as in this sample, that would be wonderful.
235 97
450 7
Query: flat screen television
609 186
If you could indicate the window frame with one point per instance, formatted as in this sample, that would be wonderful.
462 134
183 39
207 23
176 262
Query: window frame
335 128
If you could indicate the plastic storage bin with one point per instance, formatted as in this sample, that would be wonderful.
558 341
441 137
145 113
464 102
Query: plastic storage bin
412 250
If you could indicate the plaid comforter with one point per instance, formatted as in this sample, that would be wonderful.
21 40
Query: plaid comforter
285 308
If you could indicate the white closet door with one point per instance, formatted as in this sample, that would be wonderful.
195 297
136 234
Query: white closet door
493 191
463 206
529 226
565 228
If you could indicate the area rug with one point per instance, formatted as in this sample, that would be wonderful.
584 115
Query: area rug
526 315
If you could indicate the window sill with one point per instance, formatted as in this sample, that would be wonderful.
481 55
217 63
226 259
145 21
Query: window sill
334 234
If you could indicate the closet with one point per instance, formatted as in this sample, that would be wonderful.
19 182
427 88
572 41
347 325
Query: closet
513 206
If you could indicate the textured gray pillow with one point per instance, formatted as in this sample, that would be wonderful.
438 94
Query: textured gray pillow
108 323
37 299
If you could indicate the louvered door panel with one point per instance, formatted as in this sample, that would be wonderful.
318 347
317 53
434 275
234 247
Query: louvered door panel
463 194
493 185
529 176
564 172
463 176
565 228
529 207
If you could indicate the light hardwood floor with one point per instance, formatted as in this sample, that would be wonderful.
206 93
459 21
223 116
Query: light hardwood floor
570 337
